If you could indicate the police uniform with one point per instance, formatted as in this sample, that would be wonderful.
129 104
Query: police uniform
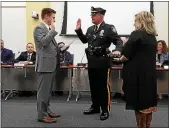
99 63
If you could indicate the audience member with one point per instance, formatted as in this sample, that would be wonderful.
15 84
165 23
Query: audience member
161 57
28 56
65 56
7 55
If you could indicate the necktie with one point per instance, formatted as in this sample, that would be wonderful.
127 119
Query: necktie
96 27
49 28
29 57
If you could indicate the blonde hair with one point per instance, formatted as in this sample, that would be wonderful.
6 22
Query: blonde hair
145 21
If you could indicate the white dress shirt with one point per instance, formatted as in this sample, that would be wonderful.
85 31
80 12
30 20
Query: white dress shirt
99 25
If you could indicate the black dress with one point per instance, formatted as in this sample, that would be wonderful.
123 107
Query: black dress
139 72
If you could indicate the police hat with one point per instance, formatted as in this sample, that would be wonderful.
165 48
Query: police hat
97 10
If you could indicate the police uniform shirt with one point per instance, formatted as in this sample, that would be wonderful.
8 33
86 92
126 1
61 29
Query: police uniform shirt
97 27
102 37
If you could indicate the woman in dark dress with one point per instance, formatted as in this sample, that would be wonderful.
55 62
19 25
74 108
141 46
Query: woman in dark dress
139 69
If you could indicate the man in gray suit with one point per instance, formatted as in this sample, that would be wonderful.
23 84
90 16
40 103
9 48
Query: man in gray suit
46 63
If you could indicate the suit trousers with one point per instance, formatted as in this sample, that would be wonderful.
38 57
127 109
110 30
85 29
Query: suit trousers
46 81
100 88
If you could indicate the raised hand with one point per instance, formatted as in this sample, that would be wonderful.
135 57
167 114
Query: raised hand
78 24
53 24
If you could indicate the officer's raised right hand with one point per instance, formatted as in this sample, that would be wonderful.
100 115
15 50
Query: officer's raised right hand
78 24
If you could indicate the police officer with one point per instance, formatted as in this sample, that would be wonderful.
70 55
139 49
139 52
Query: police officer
99 38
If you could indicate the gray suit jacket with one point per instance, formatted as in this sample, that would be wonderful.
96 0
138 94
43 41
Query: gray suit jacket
47 50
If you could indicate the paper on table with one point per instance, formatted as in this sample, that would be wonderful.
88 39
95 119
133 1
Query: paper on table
64 48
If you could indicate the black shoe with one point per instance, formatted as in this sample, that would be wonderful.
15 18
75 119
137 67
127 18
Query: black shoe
91 111
104 116
59 93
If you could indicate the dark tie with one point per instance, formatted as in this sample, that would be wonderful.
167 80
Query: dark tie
95 28
29 57
49 28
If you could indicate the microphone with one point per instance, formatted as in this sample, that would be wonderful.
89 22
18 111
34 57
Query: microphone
82 58
82 64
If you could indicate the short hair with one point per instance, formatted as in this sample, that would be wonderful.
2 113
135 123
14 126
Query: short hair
30 43
47 11
164 46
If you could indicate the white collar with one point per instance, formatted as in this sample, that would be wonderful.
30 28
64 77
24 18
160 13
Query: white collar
46 25
99 25
29 53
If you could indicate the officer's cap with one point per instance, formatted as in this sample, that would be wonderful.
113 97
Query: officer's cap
97 10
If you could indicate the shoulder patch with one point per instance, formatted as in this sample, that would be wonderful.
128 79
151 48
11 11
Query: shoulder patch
113 29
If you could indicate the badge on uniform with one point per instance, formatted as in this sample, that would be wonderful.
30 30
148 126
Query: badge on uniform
94 36
88 35
101 32
113 29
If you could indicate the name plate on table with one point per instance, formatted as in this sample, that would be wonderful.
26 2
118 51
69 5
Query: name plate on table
19 65
165 66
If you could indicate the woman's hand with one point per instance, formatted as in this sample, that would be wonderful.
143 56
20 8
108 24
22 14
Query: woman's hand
121 59
116 59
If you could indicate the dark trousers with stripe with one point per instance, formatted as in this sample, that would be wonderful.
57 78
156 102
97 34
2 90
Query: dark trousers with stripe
100 88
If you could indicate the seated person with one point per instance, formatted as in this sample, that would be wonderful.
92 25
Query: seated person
65 56
7 55
162 53
161 56
28 56
117 95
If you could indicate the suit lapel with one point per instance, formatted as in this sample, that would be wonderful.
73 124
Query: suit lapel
54 42
26 55
2 51
32 57
44 27
46 30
